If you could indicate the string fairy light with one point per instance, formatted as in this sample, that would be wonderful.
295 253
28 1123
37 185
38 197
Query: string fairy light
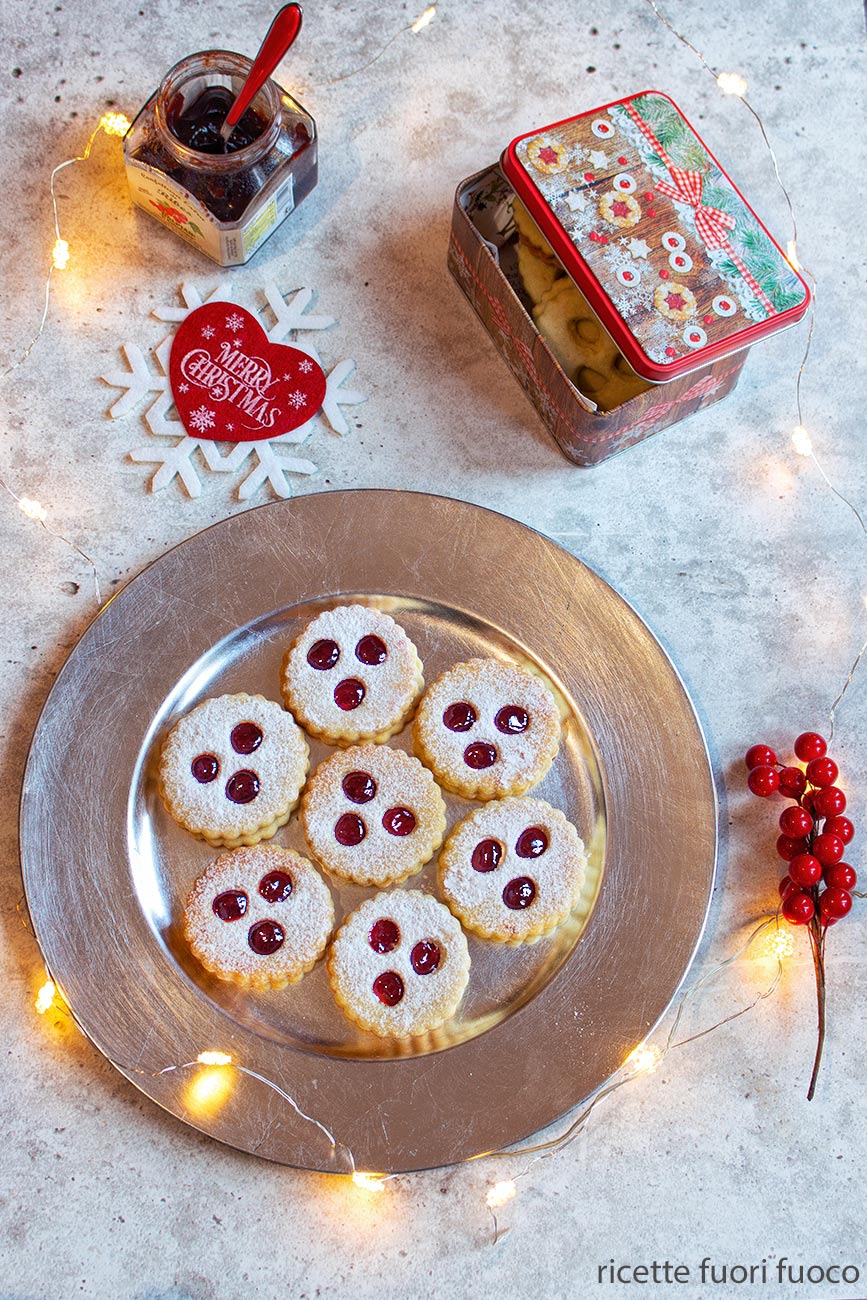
424 20
732 83
111 124
45 997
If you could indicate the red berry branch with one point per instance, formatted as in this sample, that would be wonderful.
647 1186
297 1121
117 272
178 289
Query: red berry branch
817 892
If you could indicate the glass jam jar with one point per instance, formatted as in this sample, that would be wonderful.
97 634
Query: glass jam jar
225 203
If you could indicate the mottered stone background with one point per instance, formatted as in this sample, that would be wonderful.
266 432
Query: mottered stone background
742 561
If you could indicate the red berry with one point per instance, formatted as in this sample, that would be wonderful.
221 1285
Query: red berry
807 799
664 274
840 876
841 827
789 848
829 802
760 756
805 870
786 886
835 902
793 783
810 745
795 822
828 849
798 907
822 771
763 781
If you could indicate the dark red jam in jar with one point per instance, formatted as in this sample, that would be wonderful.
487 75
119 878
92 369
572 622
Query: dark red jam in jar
225 199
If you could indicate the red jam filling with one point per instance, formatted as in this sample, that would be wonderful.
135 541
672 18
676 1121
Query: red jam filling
398 821
371 650
519 893
323 655
265 937
547 155
197 125
675 301
532 842
459 717
480 755
487 855
246 737
388 987
620 209
425 957
359 787
242 787
384 936
230 905
348 694
349 829
205 768
512 720
276 886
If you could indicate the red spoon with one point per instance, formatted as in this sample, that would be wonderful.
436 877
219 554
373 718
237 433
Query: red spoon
281 35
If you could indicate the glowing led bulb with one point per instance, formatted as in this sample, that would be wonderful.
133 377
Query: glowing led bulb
32 509
801 441
60 255
45 997
499 1194
425 19
643 1060
792 255
779 944
369 1182
732 83
115 123
213 1058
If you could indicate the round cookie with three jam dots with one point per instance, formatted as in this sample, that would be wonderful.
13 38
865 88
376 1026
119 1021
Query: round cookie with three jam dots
259 917
373 815
487 729
399 964
232 769
512 871
352 675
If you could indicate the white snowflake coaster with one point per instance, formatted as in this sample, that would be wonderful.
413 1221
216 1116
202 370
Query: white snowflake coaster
183 456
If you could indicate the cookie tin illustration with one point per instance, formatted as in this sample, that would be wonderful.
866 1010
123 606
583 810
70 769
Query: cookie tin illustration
667 251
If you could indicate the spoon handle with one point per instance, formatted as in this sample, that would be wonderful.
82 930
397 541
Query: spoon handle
281 34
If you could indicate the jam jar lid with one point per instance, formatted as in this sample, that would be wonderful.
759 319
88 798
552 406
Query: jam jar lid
666 249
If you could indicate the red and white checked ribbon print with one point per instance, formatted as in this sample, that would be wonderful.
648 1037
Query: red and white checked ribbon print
712 224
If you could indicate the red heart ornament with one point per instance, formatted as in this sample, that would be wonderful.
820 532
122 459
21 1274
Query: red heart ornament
231 385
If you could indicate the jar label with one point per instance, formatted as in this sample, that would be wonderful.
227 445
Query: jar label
176 208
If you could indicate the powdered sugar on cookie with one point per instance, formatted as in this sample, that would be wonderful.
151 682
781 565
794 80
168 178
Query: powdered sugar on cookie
513 870
232 769
399 964
373 815
351 675
259 916
487 729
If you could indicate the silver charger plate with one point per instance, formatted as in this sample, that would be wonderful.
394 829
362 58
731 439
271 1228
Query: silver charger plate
106 870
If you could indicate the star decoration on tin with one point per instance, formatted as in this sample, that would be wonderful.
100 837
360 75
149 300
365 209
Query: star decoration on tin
638 248
598 159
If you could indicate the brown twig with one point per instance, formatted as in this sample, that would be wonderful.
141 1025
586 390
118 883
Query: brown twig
817 944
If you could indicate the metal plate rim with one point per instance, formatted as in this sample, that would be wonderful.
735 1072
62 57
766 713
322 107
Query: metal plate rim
292 1145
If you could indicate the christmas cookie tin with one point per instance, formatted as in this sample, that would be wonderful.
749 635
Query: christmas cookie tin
620 272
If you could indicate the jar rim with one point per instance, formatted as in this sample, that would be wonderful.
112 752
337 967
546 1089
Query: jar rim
222 63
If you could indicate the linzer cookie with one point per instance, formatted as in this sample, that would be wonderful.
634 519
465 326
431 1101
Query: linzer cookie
352 675
487 729
513 870
399 964
232 769
259 917
373 815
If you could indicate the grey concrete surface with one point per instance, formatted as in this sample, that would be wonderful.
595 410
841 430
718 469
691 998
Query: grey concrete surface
732 547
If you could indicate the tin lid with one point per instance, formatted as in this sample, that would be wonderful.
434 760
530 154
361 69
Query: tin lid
663 245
